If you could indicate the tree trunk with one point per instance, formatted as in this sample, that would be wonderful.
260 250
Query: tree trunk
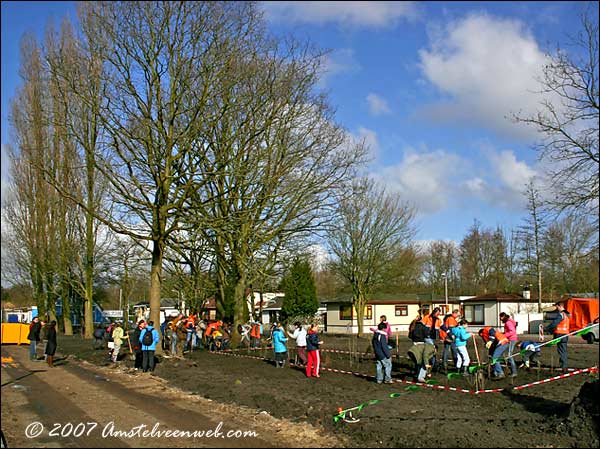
240 314
88 311
155 287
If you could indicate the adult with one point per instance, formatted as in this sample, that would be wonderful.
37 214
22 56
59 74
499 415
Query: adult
190 328
99 336
510 330
148 347
496 343
51 344
34 337
421 351
255 333
118 336
447 336
299 335
382 354
137 346
560 329
433 322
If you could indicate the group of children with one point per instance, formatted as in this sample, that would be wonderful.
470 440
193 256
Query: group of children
426 331
307 344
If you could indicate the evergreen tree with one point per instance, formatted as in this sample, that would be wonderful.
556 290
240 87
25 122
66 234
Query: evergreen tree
300 292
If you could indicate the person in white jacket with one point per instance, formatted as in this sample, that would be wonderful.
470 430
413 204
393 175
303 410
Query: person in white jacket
299 335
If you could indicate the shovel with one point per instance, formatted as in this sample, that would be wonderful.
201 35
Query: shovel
131 354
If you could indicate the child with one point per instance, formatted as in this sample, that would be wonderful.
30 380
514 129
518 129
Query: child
462 336
383 355
279 346
312 349
530 354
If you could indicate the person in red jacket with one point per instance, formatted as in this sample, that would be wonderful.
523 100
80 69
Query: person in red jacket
312 349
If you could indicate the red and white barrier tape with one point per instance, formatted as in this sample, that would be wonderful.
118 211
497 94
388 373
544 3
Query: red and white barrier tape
436 387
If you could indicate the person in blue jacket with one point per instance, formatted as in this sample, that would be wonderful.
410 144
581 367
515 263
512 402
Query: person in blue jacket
279 346
148 350
530 351
382 354
461 337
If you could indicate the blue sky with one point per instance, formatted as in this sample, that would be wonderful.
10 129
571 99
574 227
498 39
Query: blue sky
429 85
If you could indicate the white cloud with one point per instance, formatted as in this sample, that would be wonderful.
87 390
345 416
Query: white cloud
506 182
339 61
488 68
425 179
437 180
513 173
375 14
377 105
370 139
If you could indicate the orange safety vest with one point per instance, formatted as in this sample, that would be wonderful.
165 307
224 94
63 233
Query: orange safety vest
563 326
255 332
427 321
499 336
190 322
486 334
450 323
213 327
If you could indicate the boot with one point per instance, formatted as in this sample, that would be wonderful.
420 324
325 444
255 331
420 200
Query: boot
50 361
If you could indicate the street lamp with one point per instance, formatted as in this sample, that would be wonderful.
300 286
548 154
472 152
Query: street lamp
445 276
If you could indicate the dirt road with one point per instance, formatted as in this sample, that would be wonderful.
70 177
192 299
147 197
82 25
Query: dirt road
77 404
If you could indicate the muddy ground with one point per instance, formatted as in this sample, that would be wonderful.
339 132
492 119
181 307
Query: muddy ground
555 414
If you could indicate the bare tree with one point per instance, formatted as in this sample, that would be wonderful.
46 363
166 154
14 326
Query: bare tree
370 229
532 231
31 213
568 121
274 156
441 261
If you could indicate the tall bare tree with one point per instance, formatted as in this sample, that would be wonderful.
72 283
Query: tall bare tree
568 121
274 155
532 231
30 215
370 229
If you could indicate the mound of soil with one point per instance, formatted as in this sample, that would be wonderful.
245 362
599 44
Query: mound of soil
582 421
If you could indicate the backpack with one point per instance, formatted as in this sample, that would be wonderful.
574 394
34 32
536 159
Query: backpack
148 339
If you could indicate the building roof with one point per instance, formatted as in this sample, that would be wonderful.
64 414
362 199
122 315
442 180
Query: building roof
392 298
505 297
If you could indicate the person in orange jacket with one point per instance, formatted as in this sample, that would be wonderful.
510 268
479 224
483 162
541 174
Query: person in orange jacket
559 328
497 344
433 323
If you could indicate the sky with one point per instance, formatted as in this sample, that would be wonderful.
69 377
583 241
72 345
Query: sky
430 86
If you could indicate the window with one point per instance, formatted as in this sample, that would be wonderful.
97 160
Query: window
401 310
474 313
346 312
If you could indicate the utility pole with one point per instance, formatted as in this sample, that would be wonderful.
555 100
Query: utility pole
445 276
